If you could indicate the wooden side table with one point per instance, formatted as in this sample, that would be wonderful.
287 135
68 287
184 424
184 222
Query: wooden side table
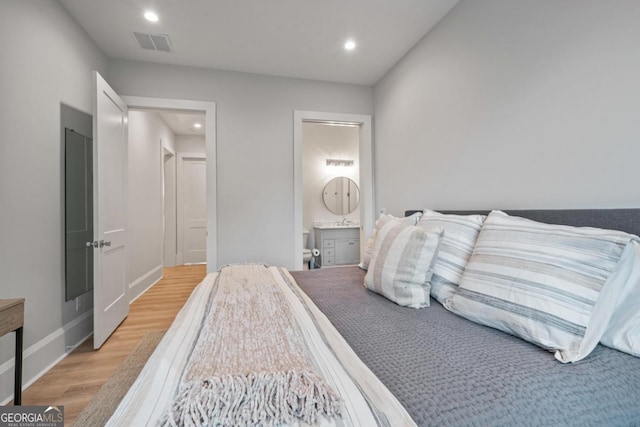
12 319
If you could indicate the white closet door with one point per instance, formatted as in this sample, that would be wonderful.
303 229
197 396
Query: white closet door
192 208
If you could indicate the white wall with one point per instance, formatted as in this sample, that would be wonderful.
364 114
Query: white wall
46 60
514 104
254 145
147 135
191 144
322 142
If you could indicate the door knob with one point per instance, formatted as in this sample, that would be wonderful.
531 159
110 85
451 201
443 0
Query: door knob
105 243
93 244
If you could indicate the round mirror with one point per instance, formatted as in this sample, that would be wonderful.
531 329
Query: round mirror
341 195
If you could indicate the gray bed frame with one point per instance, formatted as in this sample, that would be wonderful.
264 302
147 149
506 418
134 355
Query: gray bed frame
627 220
448 371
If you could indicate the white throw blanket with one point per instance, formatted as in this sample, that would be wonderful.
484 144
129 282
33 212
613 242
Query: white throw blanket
249 365
365 401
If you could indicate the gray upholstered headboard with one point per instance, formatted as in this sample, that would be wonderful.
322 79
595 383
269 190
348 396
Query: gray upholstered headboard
627 220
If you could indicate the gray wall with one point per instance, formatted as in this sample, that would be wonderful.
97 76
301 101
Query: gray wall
50 60
514 104
147 134
254 145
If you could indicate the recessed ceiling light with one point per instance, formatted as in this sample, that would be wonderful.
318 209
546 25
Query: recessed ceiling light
197 125
350 45
151 16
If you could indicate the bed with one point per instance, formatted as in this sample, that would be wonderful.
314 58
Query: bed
442 368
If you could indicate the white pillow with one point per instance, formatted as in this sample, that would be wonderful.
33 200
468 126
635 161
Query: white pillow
368 249
402 263
553 285
460 235
623 330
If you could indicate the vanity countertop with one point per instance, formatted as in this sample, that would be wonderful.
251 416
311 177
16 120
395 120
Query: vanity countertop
337 224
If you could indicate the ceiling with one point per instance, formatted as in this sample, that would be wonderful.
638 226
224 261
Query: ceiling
183 123
180 122
291 38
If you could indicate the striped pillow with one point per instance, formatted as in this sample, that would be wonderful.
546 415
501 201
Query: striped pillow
402 262
460 235
623 330
553 285
368 249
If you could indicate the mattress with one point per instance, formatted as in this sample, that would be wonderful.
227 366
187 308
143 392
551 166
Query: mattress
446 370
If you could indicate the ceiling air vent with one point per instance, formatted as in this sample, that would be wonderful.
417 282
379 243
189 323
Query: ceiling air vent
153 41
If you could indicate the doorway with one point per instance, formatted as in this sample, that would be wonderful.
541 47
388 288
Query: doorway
208 229
365 160
115 283
156 138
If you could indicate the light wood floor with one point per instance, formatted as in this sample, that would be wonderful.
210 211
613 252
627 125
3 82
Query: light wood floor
78 377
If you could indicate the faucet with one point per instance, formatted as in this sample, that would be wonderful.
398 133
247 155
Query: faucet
344 221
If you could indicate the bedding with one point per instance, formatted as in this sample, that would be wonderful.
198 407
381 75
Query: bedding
397 366
623 331
460 235
553 285
449 371
402 262
365 401
264 366
411 219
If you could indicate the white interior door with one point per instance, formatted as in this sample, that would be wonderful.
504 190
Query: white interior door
192 209
111 302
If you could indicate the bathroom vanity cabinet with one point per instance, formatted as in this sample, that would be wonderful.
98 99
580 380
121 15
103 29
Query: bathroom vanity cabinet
338 245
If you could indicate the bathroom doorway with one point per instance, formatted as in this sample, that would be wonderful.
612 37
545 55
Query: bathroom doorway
330 191
341 165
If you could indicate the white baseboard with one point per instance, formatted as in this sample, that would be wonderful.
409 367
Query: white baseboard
45 354
143 283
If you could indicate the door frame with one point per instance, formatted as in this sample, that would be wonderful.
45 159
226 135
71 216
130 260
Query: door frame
209 108
367 205
180 219
166 155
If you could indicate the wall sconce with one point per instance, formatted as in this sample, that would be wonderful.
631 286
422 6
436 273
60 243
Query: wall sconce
339 162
